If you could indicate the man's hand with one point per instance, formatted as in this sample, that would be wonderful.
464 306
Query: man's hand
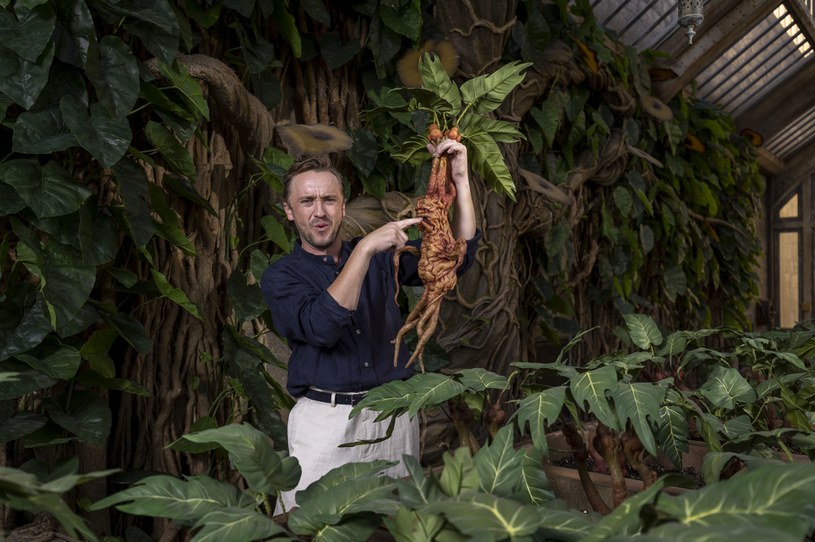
391 236
457 160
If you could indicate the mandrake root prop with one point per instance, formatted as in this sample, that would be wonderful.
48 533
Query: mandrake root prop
441 254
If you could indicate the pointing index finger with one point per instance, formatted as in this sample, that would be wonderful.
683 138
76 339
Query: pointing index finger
407 222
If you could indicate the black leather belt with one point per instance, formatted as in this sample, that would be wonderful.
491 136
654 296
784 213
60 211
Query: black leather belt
335 398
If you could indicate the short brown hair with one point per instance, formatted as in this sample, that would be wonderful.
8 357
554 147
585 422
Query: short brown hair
306 164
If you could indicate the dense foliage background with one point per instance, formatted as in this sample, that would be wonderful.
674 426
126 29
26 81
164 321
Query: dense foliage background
139 182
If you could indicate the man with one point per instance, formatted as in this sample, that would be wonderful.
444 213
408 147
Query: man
334 303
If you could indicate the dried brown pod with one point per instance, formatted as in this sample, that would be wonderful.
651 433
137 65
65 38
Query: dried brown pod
656 108
752 136
303 139
408 66
695 144
589 55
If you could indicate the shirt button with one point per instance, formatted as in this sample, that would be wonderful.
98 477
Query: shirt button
325 259
365 364
359 331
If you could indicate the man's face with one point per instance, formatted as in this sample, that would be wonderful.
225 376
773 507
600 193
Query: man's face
317 207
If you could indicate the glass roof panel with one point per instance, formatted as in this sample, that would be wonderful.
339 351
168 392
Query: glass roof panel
757 63
791 138
643 24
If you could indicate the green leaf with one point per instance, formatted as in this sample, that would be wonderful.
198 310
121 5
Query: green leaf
486 93
404 18
130 330
79 33
336 52
418 392
477 514
625 518
591 386
48 190
327 506
478 379
95 350
233 523
549 117
245 359
499 464
177 156
181 500
22 80
42 132
105 136
57 361
21 424
276 232
486 160
673 432
88 416
624 200
189 88
246 299
114 72
636 403
725 388
288 27
25 381
175 295
29 33
643 330
252 453
534 487
676 283
133 184
773 496
540 410
436 80
460 474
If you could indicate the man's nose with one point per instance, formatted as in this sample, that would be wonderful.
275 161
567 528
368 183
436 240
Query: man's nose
319 208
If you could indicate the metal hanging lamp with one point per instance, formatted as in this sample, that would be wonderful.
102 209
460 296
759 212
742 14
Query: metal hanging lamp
690 16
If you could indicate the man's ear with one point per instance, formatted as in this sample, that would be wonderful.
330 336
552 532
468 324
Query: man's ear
289 214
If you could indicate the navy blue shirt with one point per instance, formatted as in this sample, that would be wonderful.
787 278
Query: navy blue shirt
333 348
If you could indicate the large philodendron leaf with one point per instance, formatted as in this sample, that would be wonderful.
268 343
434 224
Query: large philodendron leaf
87 416
177 157
24 381
540 410
56 360
265 469
25 491
499 464
114 72
185 501
103 134
534 487
42 132
22 424
625 518
27 31
231 523
48 190
486 160
771 497
478 379
342 504
636 403
489 517
591 387
436 80
418 392
22 80
24 320
725 388
643 331
486 93
673 431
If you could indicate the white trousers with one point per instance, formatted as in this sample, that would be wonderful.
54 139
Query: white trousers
316 429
